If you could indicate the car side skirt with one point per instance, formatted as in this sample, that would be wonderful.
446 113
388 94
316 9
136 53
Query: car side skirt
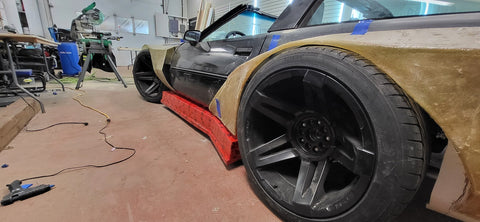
225 143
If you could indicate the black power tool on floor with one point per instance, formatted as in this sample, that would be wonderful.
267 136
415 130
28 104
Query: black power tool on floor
22 192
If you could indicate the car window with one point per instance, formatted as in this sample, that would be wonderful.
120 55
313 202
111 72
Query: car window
249 23
336 11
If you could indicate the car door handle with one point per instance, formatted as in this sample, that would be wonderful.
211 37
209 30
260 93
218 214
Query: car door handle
243 51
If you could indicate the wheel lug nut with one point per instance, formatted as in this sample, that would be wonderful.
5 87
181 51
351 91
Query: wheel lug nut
304 124
302 140
319 122
327 138
316 149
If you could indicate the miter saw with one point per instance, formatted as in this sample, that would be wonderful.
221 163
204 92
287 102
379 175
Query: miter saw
96 47
84 25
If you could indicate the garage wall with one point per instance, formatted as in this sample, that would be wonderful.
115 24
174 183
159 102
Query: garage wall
271 7
33 17
274 7
12 14
65 10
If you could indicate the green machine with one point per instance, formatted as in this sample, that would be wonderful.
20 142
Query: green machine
96 46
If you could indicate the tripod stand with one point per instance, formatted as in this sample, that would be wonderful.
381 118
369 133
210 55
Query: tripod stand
97 47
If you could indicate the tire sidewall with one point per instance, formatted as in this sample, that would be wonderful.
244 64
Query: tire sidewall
156 99
389 137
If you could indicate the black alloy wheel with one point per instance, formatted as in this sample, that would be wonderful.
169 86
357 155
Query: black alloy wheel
147 82
312 142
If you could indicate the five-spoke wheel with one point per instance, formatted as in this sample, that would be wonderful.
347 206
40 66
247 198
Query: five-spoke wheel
318 155
148 84
312 133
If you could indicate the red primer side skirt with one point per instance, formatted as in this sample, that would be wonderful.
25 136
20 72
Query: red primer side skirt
225 143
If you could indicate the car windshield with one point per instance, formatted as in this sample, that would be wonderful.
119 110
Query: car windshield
249 23
336 11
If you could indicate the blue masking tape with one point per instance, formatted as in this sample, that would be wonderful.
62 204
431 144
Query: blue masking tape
26 186
362 27
274 42
218 108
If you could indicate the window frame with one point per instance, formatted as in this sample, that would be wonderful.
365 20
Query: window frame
304 22
230 16
254 11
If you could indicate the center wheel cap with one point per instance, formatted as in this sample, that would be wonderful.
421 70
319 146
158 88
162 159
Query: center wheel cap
313 135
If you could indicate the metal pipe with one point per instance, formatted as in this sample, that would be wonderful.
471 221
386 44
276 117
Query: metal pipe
14 76
47 69
114 67
163 6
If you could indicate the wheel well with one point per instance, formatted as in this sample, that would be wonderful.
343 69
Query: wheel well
437 141
437 145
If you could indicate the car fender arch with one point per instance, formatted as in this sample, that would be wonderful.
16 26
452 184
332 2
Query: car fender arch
436 67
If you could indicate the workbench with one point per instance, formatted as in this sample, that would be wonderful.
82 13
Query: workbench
10 39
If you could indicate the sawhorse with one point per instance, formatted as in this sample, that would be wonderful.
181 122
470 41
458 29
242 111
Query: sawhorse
97 48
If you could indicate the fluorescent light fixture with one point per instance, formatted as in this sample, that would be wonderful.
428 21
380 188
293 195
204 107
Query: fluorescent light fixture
254 24
218 50
426 9
255 3
435 2
355 14
341 12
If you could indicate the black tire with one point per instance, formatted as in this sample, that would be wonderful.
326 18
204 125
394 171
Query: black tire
100 62
147 82
326 136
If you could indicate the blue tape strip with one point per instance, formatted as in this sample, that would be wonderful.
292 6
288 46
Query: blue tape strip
274 42
362 27
26 186
218 108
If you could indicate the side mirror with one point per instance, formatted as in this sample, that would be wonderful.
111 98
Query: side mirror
192 36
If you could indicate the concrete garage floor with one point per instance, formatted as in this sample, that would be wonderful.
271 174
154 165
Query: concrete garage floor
176 174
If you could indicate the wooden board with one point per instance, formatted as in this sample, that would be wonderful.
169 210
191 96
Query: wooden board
14 118
200 16
27 38
129 49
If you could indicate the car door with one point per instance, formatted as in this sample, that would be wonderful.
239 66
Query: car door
199 69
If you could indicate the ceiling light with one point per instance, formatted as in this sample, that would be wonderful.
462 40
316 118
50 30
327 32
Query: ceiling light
435 2
340 16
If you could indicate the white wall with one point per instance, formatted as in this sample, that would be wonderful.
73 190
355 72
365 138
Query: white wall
274 7
64 11
194 6
33 18
12 14
35 23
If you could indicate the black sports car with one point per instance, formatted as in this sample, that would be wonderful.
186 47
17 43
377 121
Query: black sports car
337 105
